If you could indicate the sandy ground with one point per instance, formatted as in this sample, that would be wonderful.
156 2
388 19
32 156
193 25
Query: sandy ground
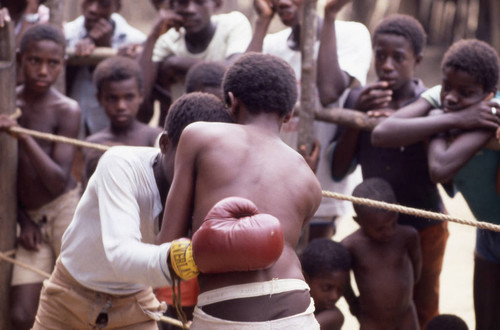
456 277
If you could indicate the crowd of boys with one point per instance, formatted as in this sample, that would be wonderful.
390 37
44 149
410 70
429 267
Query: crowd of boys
231 94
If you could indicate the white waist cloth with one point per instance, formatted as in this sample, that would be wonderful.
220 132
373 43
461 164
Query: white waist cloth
249 290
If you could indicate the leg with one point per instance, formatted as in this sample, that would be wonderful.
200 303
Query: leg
426 292
486 294
486 280
24 303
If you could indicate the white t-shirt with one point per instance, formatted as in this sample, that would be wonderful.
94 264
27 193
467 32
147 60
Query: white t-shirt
83 89
109 245
232 36
354 55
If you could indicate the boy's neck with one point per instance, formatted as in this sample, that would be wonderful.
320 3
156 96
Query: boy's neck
31 95
268 123
199 41
124 131
405 93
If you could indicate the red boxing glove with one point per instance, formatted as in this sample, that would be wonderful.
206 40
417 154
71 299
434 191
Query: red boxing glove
235 237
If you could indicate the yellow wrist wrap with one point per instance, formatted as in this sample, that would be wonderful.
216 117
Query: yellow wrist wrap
181 259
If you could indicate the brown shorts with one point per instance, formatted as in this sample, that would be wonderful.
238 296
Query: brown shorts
66 304
53 219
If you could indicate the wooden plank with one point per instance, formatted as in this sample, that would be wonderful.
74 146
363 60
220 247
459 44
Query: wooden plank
8 167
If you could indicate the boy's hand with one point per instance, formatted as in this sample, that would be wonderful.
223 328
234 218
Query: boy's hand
30 237
479 116
374 96
333 7
166 20
6 123
312 159
264 8
84 47
380 113
4 17
101 32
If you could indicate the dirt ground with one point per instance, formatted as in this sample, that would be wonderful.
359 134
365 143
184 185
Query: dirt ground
456 276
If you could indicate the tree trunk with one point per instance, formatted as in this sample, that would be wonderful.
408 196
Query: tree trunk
308 101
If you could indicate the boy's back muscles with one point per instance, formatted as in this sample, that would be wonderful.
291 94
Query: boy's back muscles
263 169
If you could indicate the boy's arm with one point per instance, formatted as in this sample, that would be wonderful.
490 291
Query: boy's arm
331 80
265 12
180 198
54 169
344 153
411 124
165 20
445 160
415 255
352 300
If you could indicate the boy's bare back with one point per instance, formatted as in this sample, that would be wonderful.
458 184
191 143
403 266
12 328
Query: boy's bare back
246 161
385 276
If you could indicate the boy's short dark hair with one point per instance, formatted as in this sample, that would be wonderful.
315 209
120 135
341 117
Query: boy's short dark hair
40 32
476 58
107 3
405 26
323 255
205 73
263 83
376 189
117 68
194 107
446 322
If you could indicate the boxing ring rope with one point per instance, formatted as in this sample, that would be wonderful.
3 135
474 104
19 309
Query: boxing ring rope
325 193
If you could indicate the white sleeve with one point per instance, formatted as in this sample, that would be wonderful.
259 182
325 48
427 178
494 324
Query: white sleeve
239 33
162 48
354 49
131 259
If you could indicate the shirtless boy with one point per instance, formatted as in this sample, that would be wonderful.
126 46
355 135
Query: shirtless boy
386 263
119 85
249 160
47 193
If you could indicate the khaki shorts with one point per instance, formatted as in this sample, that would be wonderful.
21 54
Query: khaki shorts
66 304
53 219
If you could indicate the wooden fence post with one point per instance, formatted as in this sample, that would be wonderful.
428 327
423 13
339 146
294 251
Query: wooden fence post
308 99
8 166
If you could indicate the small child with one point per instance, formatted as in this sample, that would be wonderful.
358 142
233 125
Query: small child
119 85
47 193
386 263
446 322
326 265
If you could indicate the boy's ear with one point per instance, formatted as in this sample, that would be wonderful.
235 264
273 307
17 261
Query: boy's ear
418 58
218 4
164 142
233 103
287 118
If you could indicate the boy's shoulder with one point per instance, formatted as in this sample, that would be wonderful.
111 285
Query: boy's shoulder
331 318
352 239
407 232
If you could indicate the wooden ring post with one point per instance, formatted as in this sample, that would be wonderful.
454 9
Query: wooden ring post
8 166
